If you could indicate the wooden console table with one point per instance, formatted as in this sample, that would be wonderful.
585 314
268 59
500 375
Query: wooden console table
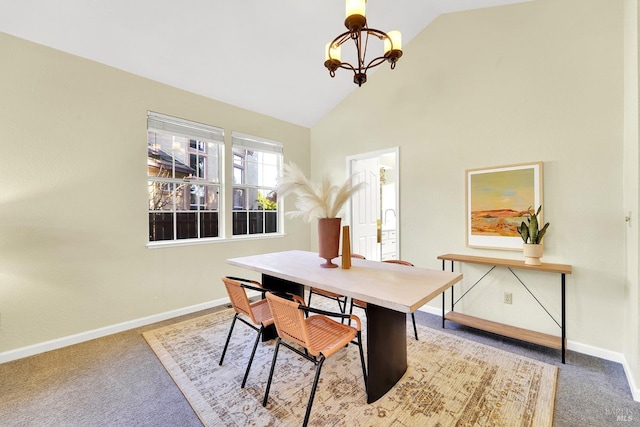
543 339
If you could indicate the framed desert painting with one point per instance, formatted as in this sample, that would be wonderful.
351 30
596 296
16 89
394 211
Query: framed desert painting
498 199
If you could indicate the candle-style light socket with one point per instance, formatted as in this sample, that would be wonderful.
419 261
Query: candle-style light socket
355 22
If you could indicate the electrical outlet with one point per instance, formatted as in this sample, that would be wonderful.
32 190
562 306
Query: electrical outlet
508 298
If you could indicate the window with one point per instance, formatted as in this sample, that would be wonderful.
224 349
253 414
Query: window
184 178
256 165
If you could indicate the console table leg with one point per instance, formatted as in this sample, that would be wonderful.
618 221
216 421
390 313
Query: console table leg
564 331
442 309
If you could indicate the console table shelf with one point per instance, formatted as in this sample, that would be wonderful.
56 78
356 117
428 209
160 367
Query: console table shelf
551 341
527 335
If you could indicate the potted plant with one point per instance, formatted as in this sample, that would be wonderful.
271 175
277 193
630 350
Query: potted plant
323 201
532 237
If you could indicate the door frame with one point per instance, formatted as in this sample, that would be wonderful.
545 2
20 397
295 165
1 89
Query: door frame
377 154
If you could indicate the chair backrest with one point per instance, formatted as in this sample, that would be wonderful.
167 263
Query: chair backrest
238 297
289 319
398 261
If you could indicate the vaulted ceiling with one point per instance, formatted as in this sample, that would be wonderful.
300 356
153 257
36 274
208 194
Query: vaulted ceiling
265 56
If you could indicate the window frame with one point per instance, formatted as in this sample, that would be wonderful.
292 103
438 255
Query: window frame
181 188
246 142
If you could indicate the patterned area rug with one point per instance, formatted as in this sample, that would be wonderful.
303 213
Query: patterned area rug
450 381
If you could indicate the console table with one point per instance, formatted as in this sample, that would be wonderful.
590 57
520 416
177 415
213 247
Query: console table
543 339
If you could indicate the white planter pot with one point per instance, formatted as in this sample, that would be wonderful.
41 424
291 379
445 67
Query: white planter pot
532 253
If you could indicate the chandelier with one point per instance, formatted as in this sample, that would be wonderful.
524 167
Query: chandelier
356 23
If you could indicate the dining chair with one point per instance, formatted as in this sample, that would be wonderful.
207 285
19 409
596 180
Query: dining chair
363 305
319 336
256 315
341 299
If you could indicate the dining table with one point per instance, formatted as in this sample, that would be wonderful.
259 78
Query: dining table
391 291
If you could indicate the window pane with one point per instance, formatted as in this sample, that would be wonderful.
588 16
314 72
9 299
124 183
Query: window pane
182 197
253 199
197 145
239 199
267 200
196 198
213 163
256 222
211 198
209 224
239 223
166 156
160 226
187 225
251 168
271 222
269 176
238 174
160 196
203 197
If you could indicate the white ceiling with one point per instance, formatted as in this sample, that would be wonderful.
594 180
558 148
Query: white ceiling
265 56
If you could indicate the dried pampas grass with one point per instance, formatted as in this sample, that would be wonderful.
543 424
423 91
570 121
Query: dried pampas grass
315 201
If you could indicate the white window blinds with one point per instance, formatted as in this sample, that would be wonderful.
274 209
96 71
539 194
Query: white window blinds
249 142
184 128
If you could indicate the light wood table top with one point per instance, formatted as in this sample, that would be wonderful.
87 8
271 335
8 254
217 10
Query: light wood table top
397 287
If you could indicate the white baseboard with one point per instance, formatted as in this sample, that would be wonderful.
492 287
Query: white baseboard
635 390
42 347
584 349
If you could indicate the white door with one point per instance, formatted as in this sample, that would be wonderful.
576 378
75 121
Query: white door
374 212
365 209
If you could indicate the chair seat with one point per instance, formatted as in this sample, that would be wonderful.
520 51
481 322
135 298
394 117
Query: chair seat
261 312
327 336
326 293
360 303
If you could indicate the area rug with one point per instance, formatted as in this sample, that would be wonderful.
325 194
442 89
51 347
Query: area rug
450 381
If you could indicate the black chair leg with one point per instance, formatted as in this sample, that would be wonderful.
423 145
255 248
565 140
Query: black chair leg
313 391
273 365
253 352
415 329
233 322
364 369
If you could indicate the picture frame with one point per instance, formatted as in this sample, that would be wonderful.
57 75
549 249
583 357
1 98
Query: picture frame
497 200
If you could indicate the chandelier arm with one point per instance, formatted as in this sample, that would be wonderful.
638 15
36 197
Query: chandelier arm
364 51
341 39
347 66
375 62
379 34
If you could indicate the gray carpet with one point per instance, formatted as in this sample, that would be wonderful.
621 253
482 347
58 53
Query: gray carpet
118 381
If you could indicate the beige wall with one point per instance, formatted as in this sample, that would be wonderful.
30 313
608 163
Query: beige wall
537 81
631 188
73 210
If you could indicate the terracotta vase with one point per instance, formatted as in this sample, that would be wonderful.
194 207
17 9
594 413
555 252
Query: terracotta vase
532 253
329 240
